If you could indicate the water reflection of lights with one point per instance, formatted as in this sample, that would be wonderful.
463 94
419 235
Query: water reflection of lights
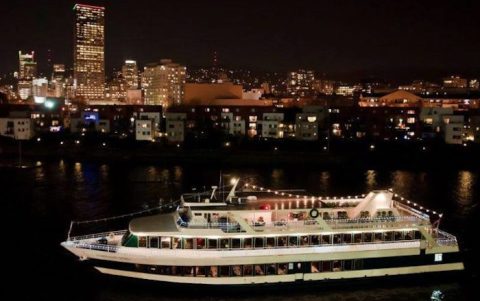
403 180
465 187
104 171
371 180
437 295
61 168
324 180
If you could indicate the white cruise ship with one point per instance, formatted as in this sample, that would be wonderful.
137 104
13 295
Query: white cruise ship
285 238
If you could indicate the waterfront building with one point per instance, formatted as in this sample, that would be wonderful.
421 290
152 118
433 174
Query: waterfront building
272 125
17 128
306 126
175 127
144 130
452 128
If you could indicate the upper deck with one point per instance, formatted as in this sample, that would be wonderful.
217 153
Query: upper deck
377 210
379 217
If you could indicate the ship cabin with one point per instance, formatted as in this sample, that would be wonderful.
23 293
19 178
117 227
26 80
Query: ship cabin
373 219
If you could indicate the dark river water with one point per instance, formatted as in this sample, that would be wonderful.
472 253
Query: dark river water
39 203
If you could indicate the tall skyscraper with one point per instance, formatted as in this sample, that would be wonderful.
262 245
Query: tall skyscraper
130 74
89 52
27 71
58 80
164 83
27 65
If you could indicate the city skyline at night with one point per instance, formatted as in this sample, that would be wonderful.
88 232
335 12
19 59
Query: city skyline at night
407 40
340 140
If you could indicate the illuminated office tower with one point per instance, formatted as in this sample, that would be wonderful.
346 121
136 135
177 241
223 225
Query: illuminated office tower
27 71
89 52
27 65
58 80
130 74
40 89
164 83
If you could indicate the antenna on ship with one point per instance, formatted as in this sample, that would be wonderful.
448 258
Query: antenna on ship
436 224
221 187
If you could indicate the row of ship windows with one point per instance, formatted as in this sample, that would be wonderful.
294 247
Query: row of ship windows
167 242
254 269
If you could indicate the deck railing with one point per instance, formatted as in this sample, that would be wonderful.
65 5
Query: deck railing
225 227
97 235
340 223
443 238
98 247
376 222
411 210
115 248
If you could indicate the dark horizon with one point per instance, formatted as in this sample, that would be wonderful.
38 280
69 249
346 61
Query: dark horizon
401 40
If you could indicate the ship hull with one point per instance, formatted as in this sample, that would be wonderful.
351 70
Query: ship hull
298 265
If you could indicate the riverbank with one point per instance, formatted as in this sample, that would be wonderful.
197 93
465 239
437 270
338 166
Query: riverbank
382 155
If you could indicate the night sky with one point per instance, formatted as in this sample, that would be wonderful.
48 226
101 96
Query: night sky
343 39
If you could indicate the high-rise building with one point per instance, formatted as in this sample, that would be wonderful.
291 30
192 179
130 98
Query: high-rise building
58 80
27 65
300 83
40 89
130 74
27 71
24 89
164 83
117 88
89 52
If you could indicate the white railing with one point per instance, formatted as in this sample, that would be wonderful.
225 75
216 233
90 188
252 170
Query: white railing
443 238
283 224
411 210
225 227
97 235
376 222
349 223
154 251
97 247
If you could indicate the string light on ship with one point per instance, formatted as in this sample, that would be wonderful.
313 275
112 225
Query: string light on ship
297 196
417 206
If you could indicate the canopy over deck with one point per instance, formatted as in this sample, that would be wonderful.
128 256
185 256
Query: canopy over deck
160 223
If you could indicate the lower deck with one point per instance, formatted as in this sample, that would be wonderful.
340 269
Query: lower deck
286 271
